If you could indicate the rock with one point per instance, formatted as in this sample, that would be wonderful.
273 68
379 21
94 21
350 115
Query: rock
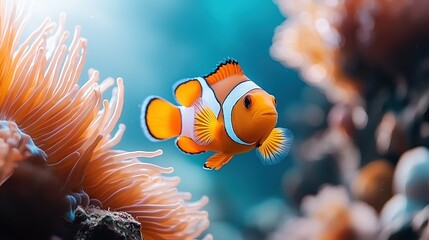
94 223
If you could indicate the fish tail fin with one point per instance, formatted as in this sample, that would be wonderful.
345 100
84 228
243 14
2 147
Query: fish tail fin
160 119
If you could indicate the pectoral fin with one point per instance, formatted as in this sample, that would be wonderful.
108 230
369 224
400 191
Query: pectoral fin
206 125
187 92
276 146
217 161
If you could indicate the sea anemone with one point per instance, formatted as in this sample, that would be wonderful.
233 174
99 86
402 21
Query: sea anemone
39 94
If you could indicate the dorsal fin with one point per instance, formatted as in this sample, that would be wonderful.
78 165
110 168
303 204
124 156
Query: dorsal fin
225 69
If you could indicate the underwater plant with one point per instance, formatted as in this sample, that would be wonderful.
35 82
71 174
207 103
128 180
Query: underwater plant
41 102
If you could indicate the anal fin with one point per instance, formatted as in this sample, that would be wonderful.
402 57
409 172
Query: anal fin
187 92
217 161
188 146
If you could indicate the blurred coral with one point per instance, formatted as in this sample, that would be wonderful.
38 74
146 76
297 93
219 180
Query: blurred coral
352 50
371 59
390 136
396 218
355 46
373 183
411 175
308 40
309 176
410 183
347 118
339 145
372 48
39 93
331 215
420 223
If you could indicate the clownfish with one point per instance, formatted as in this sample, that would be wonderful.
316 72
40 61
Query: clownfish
224 112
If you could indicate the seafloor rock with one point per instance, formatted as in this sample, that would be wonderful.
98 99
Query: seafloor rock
93 223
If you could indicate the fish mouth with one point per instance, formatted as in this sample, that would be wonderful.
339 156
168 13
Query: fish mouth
265 115
270 113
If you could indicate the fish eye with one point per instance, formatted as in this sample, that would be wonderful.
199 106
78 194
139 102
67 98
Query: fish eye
275 102
247 101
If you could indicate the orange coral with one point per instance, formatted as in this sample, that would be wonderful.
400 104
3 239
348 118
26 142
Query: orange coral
39 92
351 47
372 42
308 40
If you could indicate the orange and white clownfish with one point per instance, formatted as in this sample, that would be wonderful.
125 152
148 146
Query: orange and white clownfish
224 112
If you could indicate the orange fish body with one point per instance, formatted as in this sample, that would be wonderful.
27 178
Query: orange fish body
224 112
